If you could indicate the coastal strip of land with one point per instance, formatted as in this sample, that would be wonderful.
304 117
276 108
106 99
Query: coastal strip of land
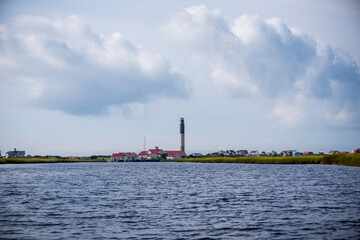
46 160
346 159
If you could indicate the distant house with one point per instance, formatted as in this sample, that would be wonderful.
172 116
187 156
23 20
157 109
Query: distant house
254 153
123 156
151 154
175 154
223 153
143 156
231 152
287 153
294 154
334 152
263 153
227 153
308 153
15 154
194 155
242 152
272 153
157 153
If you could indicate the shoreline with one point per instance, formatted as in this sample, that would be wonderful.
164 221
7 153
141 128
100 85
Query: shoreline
43 160
349 159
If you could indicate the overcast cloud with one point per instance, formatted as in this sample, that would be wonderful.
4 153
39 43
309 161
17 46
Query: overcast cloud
69 67
64 65
305 79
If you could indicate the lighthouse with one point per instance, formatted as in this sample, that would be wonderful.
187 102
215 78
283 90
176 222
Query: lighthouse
182 135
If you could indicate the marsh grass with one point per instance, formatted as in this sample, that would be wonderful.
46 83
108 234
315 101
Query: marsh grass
338 159
42 160
346 159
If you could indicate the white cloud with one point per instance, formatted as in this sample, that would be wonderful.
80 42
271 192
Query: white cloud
76 70
306 79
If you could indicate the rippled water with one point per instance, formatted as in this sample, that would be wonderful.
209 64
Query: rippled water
179 200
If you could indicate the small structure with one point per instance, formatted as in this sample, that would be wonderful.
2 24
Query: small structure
175 154
334 152
254 153
263 154
222 153
226 153
196 155
15 154
242 152
157 154
287 153
294 154
124 156
308 153
151 154
272 154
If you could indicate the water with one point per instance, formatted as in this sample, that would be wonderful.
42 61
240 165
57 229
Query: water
179 201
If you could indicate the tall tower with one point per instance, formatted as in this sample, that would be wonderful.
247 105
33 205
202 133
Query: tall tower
182 135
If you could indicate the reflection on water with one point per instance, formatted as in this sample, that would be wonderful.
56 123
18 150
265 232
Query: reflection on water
179 200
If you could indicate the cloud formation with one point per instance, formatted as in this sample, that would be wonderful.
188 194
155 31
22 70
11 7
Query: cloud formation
64 65
303 78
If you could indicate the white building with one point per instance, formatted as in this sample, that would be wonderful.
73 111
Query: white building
15 154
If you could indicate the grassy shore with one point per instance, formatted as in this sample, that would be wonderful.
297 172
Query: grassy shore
43 160
335 159
338 159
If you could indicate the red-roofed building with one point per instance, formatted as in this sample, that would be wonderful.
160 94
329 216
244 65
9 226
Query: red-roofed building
175 154
157 153
123 156
151 154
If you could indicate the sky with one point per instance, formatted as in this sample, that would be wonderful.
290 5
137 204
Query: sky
97 77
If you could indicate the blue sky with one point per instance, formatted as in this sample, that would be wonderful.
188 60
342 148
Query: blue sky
96 77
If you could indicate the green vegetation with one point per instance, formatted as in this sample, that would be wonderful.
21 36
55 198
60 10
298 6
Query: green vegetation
47 160
346 159
338 159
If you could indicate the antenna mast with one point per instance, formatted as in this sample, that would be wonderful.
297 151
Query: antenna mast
144 143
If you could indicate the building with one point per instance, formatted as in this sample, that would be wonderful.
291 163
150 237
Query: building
157 154
272 154
242 152
254 153
151 154
294 154
196 155
124 156
308 153
226 153
15 154
287 153
175 154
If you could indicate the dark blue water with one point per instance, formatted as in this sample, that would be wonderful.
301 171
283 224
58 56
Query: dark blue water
179 201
